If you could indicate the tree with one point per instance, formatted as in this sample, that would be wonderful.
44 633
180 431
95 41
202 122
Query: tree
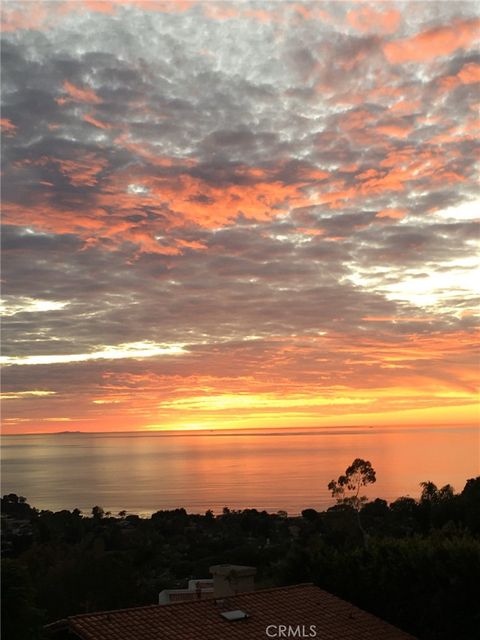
310 515
17 507
97 512
357 475
21 620
429 491
347 488
470 499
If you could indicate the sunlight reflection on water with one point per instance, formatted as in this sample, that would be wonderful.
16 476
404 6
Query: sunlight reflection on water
144 472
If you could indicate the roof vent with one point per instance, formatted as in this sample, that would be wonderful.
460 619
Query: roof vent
234 615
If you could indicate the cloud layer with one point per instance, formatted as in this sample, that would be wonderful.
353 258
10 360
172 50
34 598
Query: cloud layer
239 213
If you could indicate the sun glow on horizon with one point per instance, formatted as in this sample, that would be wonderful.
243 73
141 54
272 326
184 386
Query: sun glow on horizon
456 416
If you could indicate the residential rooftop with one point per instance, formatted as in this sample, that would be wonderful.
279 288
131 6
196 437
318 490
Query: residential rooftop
303 605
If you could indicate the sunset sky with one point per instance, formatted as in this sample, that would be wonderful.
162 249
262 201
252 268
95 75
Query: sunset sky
221 215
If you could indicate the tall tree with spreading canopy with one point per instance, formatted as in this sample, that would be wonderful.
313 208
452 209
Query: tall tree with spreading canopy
346 489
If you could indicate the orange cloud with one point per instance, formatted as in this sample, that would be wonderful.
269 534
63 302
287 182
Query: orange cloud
406 106
83 172
30 16
393 214
397 130
366 175
311 232
311 11
261 15
383 92
38 16
467 131
261 196
179 6
383 181
367 19
184 200
112 6
355 119
96 123
413 164
437 42
313 175
191 244
101 6
76 94
470 73
7 126
362 377
217 11
403 166
187 199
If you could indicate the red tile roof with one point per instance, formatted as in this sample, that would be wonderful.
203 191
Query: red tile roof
302 604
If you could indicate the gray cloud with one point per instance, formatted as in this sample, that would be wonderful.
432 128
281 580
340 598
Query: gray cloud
183 178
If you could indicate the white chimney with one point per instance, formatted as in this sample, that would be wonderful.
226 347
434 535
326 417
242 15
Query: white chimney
230 579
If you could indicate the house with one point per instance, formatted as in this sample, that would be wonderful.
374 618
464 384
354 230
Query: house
196 590
299 611
228 580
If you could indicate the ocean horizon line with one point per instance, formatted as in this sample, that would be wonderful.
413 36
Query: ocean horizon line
231 431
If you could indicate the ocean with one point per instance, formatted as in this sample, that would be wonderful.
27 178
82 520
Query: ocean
273 470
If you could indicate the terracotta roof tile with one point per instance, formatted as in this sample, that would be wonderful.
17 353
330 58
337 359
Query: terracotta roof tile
335 619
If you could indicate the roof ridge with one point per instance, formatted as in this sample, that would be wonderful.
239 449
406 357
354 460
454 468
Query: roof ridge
189 602
284 588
